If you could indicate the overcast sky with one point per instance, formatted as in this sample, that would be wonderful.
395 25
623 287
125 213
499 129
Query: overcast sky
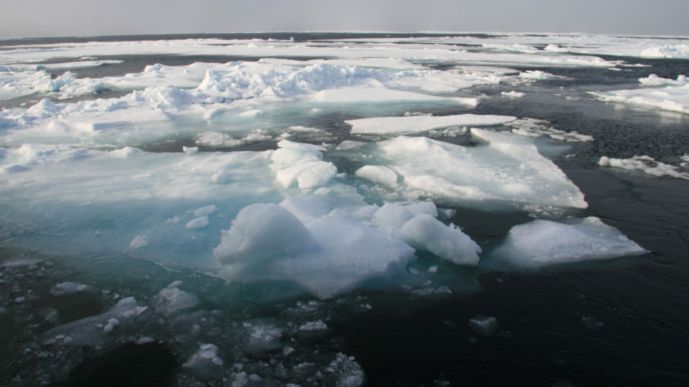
20 18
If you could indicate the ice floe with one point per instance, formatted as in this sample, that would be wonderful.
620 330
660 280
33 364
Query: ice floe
538 128
93 330
660 93
645 164
504 169
418 124
544 242
329 250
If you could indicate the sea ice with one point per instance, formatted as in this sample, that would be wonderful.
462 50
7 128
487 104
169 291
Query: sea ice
328 250
65 288
664 94
91 331
171 300
301 164
512 94
484 325
538 128
544 242
378 174
645 164
503 170
417 124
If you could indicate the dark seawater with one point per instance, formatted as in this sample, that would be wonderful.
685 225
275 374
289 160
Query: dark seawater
623 322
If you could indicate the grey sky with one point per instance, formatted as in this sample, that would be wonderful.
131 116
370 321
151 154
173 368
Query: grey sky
115 17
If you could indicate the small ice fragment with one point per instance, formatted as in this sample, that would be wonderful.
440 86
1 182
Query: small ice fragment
484 325
65 288
204 211
112 323
144 340
171 299
512 94
196 223
311 326
190 149
138 242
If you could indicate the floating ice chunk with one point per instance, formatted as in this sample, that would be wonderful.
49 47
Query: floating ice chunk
674 96
347 371
205 210
654 80
555 48
308 175
196 223
125 152
512 94
537 128
310 326
190 149
65 288
417 225
205 363
111 324
216 140
138 241
505 170
263 337
517 47
417 124
393 216
645 164
378 174
327 255
667 51
260 232
484 325
424 232
171 300
543 242
90 331
290 153
536 75
301 164
383 95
